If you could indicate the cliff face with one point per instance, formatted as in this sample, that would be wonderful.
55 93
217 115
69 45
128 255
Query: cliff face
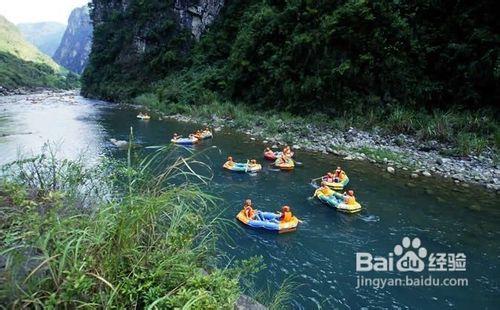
74 50
197 15
138 42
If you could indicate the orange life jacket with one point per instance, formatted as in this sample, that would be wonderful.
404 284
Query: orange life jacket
249 212
340 174
286 216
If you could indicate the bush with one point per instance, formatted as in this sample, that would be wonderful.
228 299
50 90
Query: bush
145 245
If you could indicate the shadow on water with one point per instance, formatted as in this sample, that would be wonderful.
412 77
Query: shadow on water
320 255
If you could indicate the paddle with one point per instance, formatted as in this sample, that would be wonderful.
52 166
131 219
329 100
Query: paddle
246 167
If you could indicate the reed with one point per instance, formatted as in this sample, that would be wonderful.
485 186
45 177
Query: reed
146 244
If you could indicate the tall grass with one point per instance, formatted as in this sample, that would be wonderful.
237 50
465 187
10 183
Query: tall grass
147 246
468 132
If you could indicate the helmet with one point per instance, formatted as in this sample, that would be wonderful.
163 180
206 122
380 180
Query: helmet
350 192
329 174
339 169
286 209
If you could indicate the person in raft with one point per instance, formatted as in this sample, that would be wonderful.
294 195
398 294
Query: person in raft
285 215
250 212
339 174
230 163
283 159
329 177
287 151
252 163
176 136
349 198
323 189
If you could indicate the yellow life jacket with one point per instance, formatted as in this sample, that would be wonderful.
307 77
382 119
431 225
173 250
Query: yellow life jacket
350 200
286 216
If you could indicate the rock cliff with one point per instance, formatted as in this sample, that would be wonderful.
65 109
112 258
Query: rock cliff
74 50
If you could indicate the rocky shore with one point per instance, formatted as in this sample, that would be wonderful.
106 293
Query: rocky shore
397 153
31 90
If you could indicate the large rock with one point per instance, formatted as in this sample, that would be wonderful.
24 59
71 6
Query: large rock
73 52
197 15
247 303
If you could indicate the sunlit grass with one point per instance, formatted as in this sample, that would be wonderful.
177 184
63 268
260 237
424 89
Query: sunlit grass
146 245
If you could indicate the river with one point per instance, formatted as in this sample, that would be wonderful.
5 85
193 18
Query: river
320 257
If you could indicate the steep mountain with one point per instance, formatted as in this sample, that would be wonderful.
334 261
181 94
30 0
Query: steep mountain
73 52
137 43
23 65
45 35
343 56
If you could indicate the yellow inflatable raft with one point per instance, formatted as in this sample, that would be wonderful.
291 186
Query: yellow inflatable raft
288 165
336 200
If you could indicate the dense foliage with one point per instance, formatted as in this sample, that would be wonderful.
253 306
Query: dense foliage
120 65
114 235
315 55
15 73
336 55
23 65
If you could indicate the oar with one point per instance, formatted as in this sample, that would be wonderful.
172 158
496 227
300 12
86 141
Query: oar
246 167
298 163
312 180
313 196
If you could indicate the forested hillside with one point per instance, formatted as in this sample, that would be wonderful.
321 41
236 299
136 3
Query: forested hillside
314 56
23 65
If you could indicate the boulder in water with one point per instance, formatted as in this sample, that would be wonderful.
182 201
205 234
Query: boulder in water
119 143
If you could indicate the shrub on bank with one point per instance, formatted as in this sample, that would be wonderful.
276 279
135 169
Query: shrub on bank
141 242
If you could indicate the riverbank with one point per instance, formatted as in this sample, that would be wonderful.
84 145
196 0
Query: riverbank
396 153
4 91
